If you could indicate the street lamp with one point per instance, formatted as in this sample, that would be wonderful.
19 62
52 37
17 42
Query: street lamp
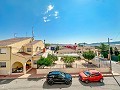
110 54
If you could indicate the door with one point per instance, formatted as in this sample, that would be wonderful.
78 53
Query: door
61 78
97 76
92 77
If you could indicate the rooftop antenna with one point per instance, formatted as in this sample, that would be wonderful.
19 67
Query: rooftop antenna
32 32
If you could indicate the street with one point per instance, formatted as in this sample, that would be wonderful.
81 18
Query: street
40 84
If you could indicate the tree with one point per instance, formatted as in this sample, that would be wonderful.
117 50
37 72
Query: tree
104 49
57 48
68 60
52 57
89 55
47 45
119 58
116 52
44 62
111 50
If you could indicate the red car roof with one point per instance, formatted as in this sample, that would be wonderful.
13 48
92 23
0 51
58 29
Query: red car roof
93 71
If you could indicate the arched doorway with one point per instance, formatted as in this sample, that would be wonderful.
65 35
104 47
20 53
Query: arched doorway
28 65
17 67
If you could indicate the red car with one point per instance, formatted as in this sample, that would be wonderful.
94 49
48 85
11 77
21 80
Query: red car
90 76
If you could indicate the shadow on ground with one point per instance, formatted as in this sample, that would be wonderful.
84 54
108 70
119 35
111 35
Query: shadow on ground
89 65
92 84
5 81
55 86
34 79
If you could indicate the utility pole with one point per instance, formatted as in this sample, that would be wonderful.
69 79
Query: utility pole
110 55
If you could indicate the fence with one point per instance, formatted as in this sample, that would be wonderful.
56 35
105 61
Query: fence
101 62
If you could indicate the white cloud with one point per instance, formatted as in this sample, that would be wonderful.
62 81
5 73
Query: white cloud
45 20
44 17
56 17
48 20
56 13
49 8
50 13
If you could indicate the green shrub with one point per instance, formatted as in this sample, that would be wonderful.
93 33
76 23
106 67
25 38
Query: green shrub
44 61
68 60
119 57
52 57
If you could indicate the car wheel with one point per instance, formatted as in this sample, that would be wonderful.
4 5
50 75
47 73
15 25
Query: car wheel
87 81
101 80
67 82
50 82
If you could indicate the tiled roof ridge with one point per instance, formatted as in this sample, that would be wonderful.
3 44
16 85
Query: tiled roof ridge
12 40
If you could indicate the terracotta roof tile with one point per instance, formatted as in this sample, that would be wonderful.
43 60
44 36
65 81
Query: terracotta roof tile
33 42
12 40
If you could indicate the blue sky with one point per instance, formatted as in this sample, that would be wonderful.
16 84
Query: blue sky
61 21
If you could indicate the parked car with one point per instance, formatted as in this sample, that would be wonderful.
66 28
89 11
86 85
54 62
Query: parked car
90 76
58 77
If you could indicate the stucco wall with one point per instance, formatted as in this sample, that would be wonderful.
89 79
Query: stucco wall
5 56
25 49
5 70
17 46
71 70
39 44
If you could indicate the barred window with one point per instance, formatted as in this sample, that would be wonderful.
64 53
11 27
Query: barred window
28 49
2 64
3 51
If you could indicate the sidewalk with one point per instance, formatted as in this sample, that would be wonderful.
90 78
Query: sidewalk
27 76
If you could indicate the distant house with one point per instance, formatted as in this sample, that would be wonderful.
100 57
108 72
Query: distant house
19 55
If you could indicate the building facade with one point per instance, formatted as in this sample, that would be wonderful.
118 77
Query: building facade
19 55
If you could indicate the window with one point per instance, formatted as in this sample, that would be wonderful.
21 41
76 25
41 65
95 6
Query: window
28 49
87 73
97 74
3 51
36 48
2 64
35 61
39 48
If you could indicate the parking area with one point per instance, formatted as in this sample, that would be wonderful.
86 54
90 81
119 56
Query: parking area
40 84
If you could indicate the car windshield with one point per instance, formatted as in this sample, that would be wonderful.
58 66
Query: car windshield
63 74
87 73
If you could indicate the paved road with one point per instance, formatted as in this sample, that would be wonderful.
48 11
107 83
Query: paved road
40 84
115 67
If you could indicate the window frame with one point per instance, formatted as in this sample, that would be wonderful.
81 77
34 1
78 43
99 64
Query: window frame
2 66
1 50
29 50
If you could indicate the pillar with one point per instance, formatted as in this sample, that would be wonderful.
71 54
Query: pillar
24 68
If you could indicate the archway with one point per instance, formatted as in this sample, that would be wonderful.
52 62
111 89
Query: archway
17 67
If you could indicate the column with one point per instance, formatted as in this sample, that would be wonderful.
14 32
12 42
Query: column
24 68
